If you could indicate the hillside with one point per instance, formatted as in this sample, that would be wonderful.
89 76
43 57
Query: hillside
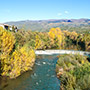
77 25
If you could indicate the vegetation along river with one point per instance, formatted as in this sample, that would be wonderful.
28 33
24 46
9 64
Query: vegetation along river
42 77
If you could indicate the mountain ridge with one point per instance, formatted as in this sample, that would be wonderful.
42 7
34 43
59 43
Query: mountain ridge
45 25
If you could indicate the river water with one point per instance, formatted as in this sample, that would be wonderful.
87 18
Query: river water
42 77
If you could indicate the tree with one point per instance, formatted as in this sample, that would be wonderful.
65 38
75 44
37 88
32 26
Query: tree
56 34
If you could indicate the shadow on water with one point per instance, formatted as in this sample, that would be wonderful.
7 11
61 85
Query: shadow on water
7 84
43 76
3 80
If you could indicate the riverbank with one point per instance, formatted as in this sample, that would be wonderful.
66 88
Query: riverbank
73 72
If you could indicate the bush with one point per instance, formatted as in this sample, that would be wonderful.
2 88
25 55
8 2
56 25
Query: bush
14 61
75 74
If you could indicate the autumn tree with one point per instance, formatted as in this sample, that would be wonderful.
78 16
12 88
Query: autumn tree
57 36
14 61
37 42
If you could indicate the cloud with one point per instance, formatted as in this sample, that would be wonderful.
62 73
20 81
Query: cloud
59 14
66 12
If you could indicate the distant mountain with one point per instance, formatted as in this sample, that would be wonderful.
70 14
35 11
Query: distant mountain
45 25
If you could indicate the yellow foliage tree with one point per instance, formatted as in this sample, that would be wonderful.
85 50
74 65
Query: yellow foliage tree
14 62
21 61
55 33
38 42
7 41
72 35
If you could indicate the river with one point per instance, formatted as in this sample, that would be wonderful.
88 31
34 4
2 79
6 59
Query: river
42 77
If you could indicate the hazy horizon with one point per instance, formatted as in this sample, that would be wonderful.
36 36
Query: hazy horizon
46 19
20 10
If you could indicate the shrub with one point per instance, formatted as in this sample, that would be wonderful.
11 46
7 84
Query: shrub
14 61
75 74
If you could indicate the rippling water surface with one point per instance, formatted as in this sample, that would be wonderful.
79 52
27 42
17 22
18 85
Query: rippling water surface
43 76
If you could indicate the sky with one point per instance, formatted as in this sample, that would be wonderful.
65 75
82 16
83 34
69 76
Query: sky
17 10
